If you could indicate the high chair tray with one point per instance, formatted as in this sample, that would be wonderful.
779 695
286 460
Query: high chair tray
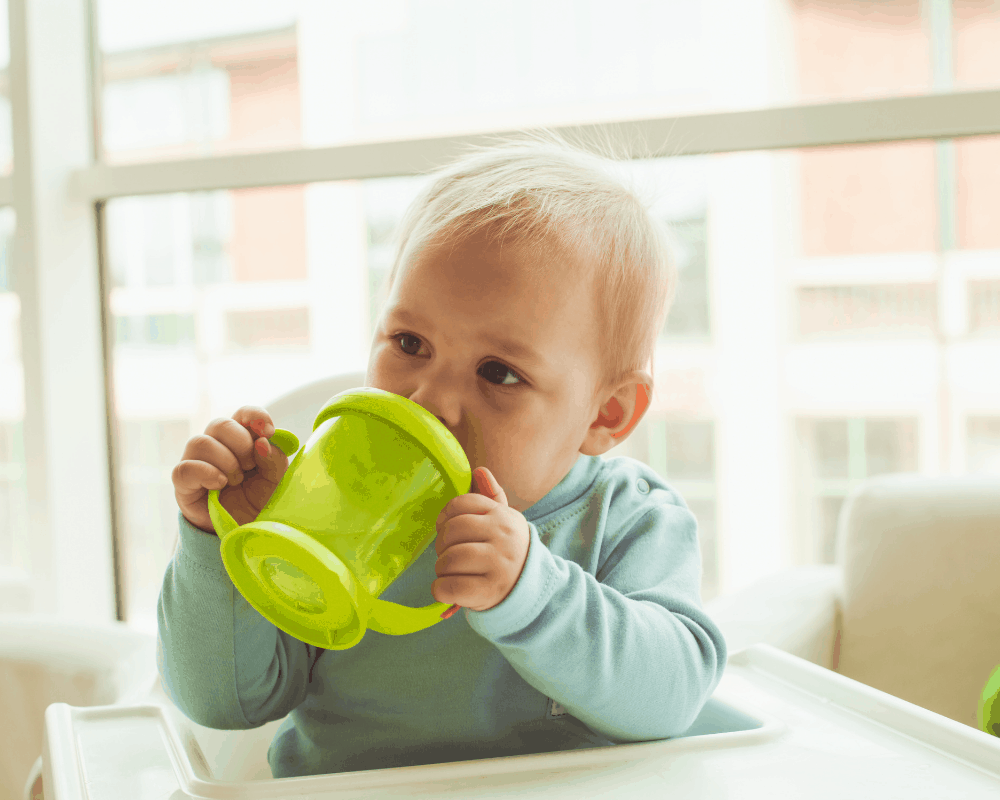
777 726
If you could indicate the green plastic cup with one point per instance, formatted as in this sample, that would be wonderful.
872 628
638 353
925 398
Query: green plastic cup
988 712
355 508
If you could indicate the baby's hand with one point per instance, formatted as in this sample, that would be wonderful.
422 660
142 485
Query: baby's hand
482 544
234 456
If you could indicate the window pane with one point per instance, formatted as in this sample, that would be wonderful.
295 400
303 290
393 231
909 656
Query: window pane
220 299
831 448
704 512
905 310
690 450
13 486
6 132
835 455
148 450
829 512
984 307
976 31
676 190
689 316
219 76
217 302
983 444
683 453
890 446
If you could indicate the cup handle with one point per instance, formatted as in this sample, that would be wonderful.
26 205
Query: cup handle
397 620
223 522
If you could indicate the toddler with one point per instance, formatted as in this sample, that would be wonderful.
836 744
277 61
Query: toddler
522 311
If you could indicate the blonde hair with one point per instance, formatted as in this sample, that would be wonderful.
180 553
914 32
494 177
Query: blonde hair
539 188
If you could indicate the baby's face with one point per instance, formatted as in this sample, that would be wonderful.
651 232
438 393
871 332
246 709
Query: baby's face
523 415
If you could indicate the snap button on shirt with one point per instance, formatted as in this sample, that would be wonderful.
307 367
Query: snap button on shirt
643 486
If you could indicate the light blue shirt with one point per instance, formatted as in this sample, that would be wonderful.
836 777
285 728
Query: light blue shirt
602 640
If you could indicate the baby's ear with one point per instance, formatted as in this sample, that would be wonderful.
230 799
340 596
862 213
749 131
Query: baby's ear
619 415
638 399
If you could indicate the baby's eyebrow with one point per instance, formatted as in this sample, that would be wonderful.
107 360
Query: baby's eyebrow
517 351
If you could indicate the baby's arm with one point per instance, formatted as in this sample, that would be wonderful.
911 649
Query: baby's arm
629 652
221 662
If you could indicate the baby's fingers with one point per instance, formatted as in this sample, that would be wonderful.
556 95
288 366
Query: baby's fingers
205 447
234 437
260 484
271 462
193 479
255 419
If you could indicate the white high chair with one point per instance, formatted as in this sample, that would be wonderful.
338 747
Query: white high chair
912 605
47 660
909 608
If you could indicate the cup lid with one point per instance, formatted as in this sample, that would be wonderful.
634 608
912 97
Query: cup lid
297 584
414 421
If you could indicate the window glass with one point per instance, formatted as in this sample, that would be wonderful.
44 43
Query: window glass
682 451
983 444
214 76
794 302
6 132
976 31
834 456
222 299
704 510
13 486
984 307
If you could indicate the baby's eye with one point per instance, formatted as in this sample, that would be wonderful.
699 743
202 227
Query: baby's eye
503 374
402 336
495 368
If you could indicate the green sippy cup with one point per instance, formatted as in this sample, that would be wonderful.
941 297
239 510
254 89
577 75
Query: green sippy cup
988 711
355 508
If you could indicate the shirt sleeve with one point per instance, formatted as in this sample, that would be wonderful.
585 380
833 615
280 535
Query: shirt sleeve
628 651
219 660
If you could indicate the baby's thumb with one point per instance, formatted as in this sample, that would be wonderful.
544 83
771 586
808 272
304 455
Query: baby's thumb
271 461
487 485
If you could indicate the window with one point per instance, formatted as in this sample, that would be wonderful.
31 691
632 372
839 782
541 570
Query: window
983 444
166 111
220 77
148 450
906 309
838 263
385 201
155 329
807 278
834 456
689 315
6 130
272 328
273 306
683 453
984 306
13 499
402 69
13 478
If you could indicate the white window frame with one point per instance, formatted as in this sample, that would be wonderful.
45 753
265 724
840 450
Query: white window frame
58 188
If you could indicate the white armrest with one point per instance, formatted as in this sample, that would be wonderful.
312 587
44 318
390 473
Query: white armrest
797 610
231 755
45 660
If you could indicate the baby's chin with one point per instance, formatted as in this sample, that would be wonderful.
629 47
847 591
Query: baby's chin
517 502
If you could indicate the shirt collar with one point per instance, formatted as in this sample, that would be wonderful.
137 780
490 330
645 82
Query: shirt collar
575 484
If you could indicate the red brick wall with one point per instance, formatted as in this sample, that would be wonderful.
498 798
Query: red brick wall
882 198
269 223
976 27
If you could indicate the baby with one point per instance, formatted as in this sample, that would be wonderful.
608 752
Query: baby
522 310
